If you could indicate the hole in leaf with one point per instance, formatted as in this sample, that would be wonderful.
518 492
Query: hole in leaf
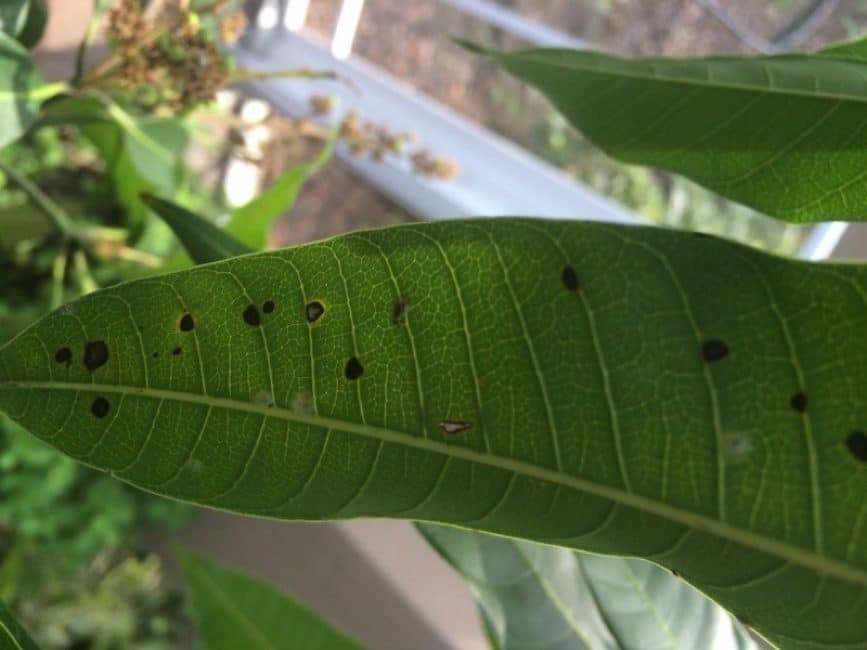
569 278
268 306
314 311
454 426
251 316
187 324
354 369
856 443
714 350
799 402
100 407
95 355
63 356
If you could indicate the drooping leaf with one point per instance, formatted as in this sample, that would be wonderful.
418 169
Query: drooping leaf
614 389
783 134
12 635
252 222
204 241
537 596
234 610
22 90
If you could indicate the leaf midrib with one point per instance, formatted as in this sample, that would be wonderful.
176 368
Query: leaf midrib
797 555
709 84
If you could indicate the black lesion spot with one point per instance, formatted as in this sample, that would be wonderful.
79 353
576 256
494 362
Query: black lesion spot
95 355
569 278
714 350
354 369
63 356
798 402
155 355
398 309
177 351
314 310
268 306
187 323
856 443
454 426
251 316
100 407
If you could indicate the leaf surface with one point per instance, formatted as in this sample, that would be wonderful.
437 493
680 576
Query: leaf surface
783 134
615 389
234 610
537 596
22 90
12 633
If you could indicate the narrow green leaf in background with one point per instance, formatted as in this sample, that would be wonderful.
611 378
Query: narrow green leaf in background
234 610
537 596
204 241
616 389
252 222
782 134
12 634
22 90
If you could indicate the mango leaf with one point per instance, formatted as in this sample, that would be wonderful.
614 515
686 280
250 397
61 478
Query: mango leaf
204 241
22 90
615 389
12 634
252 222
537 596
24 20
782 134
234 610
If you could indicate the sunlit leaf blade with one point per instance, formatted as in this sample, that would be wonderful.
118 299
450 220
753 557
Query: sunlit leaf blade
537 596
234 610
251 222
783 134
12 634
204 241
23 20
22 90
615 389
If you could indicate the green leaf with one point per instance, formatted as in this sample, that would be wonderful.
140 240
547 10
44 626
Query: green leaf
252 222
22 90
783 134
12 634
204 241
536 596
615 389
23 20
234 610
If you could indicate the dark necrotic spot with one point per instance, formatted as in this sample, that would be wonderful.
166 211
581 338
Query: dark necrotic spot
187 323
99 407
268 307
155 355
95 354
856 443
354 369
799 402
569 278
177 351
251 315
398 310
314 311
64 356
714 350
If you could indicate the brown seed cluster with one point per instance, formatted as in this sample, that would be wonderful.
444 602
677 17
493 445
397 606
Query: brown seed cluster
168 60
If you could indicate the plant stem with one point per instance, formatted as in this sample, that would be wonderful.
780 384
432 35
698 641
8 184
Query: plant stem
46 205
89 34
58 274
242 75
82 272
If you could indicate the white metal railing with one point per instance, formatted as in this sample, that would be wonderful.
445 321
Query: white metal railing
522 184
